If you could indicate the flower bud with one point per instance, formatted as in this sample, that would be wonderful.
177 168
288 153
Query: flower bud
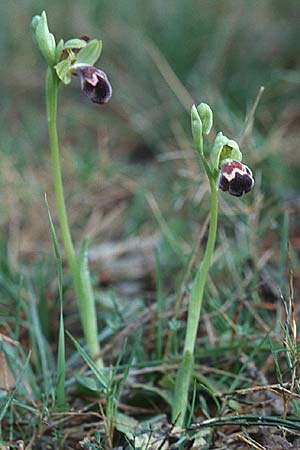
236 178
45 39
224 150
34 22
206 116
196 125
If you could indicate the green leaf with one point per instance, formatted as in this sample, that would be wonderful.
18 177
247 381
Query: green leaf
127 425
89 386
164 394
75 43
63 71
60 375
90 53
45 39
84 272
57 252
87 304
41 343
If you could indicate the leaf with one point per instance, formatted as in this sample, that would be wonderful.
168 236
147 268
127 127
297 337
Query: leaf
165 395
127 425
57 252
60 375
84 273
90 53
89 386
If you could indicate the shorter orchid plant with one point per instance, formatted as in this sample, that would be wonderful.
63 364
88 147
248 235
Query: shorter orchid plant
75 57
225 171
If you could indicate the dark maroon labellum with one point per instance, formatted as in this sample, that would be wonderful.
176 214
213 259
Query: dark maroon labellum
94 83
236 178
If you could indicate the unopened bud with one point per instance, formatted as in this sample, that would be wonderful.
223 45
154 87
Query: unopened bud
206 116
45 39
196 127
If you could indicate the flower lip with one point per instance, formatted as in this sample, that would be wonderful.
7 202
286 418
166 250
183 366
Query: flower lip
236 178
94 83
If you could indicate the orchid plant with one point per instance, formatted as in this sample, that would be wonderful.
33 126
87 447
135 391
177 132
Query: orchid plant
75 57
225 171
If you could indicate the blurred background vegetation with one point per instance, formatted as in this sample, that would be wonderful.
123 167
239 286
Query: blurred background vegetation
130 170
129 167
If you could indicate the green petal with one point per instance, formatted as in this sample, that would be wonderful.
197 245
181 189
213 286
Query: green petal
63 71
75 43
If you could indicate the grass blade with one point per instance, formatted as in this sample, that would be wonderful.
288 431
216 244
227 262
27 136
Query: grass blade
13 393
60 375
97 372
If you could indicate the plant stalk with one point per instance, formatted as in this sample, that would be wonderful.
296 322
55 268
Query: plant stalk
180 400
87 309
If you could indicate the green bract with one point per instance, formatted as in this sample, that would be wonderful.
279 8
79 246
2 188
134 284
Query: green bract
196 125
224 150
45 39
206 116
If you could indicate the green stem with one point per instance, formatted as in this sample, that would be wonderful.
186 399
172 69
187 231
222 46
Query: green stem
184 374
87 308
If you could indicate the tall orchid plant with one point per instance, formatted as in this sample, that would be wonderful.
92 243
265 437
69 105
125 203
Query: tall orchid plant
75 57
225 171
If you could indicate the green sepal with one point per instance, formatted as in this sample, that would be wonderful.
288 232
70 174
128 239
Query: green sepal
59 49
196 125
206 116
224 150
90 53
63 71
45 39
75 43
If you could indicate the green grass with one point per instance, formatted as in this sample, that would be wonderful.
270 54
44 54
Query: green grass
114 161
